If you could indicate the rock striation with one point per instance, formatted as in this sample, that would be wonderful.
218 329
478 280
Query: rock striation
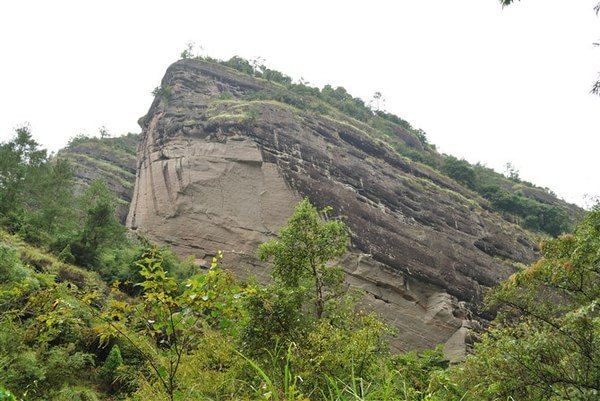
219 168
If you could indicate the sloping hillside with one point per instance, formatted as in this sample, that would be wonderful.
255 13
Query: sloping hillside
110 159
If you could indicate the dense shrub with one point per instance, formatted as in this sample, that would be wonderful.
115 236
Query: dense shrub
11 269
109 372
546 341
460 170
535 215
6 395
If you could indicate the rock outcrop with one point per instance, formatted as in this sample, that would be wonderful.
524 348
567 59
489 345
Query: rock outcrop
110 159
217 170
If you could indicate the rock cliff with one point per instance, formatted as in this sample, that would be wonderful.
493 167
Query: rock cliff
223 159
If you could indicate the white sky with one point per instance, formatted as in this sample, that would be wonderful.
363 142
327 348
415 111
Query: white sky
487 84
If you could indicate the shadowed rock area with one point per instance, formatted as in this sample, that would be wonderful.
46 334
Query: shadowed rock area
217 170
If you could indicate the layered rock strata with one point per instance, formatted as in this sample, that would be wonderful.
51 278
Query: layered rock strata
218 171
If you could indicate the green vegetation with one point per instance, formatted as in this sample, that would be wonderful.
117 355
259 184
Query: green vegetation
163 91
334 102
303 250
531 213
534 215
34 197
460 170
545 344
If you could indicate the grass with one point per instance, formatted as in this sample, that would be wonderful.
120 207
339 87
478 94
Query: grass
282 385
226 117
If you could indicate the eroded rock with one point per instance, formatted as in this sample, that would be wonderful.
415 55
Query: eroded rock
225 174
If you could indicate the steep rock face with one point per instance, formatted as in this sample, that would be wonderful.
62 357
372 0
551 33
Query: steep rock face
223 173
204 196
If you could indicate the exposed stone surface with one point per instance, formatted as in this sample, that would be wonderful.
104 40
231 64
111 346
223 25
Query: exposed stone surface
203 196
216 174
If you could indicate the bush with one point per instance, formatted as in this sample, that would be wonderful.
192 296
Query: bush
24 371
275 317
101 228
11 269
460 170
6 395
240 64
340 351
66 255
537 216
545 344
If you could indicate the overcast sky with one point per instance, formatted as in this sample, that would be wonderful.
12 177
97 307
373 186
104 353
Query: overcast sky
488 84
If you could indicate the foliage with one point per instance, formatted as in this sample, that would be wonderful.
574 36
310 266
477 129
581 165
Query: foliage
304 249
45 329
340 349
109 370
35 195
275 317
158 317
77 393
39 203
512 172
6 395
163 91
306 97
536 215
11 269
546 343
532 214
460 170
101 229
188 52
168 320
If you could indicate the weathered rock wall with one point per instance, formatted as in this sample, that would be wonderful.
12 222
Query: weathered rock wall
223 173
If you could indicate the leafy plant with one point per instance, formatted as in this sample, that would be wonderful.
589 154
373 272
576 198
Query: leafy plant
546 341
303 250
6 395
163 91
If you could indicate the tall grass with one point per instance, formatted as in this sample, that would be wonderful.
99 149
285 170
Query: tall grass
279 383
